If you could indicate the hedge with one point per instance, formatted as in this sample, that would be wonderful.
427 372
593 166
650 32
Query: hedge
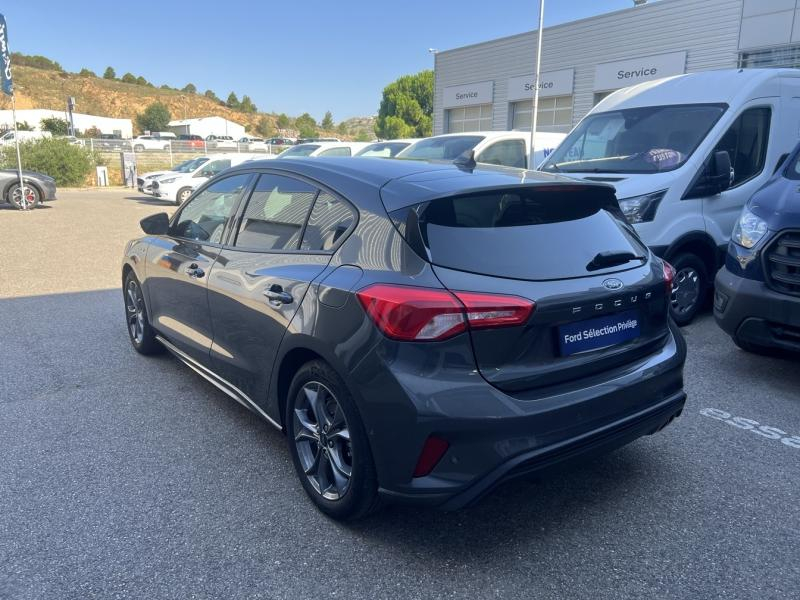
68 164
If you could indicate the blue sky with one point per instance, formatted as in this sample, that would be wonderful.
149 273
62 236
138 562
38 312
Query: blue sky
288 56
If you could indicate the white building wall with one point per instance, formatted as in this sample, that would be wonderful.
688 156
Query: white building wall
707 30
34 116
205 126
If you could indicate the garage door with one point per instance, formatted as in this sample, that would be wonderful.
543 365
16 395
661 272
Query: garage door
555 114
469 118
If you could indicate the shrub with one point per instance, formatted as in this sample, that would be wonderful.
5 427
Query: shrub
66 163
55 125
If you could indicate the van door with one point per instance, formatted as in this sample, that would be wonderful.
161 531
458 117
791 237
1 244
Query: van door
753 155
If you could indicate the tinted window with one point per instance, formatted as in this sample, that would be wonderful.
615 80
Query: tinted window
275 214
336 152
204 217
329 221
301 150
214 167
383 149
441 148
529 233
509 153
746 143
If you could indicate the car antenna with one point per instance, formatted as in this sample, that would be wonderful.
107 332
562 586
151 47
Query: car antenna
466 161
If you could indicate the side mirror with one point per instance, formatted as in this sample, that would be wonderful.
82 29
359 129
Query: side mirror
721 172
157 224
781 160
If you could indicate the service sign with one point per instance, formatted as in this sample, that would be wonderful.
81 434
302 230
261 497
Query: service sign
552 83
620 74
469 94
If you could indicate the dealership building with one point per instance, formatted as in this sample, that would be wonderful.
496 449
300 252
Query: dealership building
489 86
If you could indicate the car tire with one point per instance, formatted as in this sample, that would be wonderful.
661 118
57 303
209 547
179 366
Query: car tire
140 332
689 289
182 195
14 197
754 348
138 148
334 462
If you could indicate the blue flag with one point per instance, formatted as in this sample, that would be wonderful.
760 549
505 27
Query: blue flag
5 59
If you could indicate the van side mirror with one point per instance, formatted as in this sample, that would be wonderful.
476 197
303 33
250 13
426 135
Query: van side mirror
157 224
780 162
720 172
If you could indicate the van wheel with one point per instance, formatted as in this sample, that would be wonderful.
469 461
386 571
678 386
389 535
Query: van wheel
688 289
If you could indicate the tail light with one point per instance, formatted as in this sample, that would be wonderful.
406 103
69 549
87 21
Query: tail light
423 314
669 276
432 453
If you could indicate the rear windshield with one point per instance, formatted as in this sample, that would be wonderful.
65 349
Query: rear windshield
531 234
441 148
302 150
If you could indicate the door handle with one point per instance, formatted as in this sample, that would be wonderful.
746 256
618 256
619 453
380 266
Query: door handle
194 271
276 295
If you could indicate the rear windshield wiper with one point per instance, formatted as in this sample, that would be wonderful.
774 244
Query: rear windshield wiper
611 258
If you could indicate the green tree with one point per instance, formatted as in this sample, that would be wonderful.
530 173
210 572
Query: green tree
189 88
67 163
55 125
36 61
24 126
141 81
246 105
155 117
109 73
87 73
233 101
164 86
364 136
128 78
341 128
283 121
327 121
264 127
406 108
211 95
306 126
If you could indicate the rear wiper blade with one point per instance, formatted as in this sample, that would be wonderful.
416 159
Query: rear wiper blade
611 258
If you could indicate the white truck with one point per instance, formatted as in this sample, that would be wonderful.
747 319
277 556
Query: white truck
685 153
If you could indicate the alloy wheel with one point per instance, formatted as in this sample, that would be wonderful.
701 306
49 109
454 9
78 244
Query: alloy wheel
322 440
685 290
134 304
23 197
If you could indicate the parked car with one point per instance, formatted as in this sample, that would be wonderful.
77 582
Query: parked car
220 141
147 142
505 148
7 139
144 182
317 139
386 149
322 149
37 188
177 187
685 153
111 142
757 294
421 332
280 141
252 144
190 141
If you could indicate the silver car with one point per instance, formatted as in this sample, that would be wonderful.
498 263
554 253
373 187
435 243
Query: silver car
38 188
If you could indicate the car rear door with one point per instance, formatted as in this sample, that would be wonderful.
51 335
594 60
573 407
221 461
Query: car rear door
282 241
178 265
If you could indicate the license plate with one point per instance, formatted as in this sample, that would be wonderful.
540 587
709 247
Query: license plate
601 332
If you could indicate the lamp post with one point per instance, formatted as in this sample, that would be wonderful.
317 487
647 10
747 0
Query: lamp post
535 104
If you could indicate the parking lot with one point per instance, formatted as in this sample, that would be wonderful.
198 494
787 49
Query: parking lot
126 476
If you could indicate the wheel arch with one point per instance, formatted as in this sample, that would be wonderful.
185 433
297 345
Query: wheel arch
698 243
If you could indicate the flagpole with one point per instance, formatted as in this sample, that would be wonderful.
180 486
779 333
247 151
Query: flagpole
535 106
23 198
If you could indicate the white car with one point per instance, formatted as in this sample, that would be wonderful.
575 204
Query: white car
148 142
323 149
505 148
24 136
177 187
220 141
145 181
386 148
253 144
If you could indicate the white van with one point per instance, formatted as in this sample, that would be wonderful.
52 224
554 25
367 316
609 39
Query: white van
178 186
7 138
685 153
506 148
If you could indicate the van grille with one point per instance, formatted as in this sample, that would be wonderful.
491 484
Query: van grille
783 263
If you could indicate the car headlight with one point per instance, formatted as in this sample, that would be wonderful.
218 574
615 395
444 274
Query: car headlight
749 229
641 209
170 180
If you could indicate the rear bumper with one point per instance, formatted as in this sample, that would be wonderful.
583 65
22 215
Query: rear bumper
752 312
495 437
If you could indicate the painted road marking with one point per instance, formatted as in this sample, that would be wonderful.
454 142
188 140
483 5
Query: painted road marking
765 431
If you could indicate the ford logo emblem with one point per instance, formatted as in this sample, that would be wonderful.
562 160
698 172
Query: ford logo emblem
613 284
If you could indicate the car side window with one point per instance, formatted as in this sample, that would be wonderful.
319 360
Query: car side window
746 143
275 214
213 168
336 152
205 216
330 220
508 153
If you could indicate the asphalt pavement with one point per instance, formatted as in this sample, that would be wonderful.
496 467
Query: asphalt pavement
123 476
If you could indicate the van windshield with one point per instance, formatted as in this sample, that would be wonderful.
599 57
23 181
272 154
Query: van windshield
651 139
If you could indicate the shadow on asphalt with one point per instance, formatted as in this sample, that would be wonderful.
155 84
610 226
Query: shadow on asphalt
150 200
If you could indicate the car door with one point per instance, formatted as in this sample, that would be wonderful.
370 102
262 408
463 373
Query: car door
178 265
283 241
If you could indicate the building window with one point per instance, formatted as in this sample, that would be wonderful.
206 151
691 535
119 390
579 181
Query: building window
598 96
469 118
786 57
554 114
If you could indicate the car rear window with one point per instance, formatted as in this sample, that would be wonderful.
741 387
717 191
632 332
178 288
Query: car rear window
529 233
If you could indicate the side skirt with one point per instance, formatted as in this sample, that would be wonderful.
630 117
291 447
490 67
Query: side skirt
220 383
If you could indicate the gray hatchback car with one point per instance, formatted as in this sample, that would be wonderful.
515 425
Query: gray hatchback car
422 332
